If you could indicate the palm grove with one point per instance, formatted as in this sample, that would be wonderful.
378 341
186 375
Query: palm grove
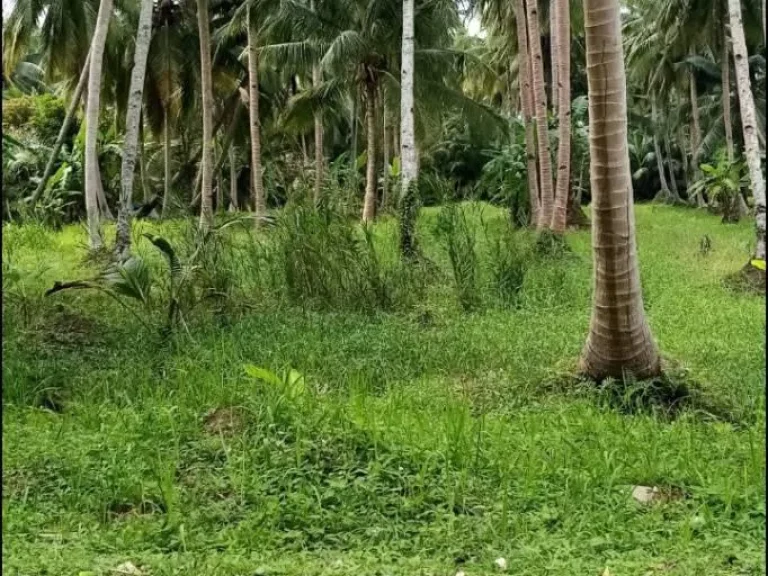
199 106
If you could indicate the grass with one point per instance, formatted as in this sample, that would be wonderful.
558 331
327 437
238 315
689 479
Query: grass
424 436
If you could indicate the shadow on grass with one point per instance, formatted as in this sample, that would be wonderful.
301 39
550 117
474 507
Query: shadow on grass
667 397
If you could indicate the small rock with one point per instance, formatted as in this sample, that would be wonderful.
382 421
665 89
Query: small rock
500 563
460 573
128 568
606 572
644 494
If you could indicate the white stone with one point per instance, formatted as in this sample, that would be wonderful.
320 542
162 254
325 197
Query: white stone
500 563
644 494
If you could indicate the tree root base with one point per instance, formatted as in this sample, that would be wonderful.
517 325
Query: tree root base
667 396
749 280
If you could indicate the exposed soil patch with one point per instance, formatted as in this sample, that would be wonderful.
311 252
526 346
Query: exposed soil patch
68 329
226 421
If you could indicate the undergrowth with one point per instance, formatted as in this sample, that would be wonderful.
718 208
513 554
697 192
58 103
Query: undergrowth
327 408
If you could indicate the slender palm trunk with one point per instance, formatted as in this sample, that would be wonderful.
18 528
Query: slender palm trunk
559 213
63 131
317 78
540 114
259 202
132 121
619 340
166 163
387 156
670 166
657 149
233 204
92 177
725 68
353 142
554 51
409 159
747 108
526 101
166 131
695 125
142 163
204 31
369 204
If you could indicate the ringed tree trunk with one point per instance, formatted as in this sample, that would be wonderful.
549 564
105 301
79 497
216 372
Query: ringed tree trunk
63 131
409 159
92 176
619 339
540 114
369 203
559 214
204 31
259 202
132 128
747 108
526 101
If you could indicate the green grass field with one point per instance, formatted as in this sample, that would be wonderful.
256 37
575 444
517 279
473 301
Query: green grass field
422 435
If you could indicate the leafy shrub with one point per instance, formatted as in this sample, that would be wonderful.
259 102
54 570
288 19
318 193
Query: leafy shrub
504 181
18 111
48 116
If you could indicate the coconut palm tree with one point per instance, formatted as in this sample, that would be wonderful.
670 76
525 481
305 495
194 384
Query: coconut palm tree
563 91
132 122
747 107
206 168
619 339
409 159
254 121
540 115
92 176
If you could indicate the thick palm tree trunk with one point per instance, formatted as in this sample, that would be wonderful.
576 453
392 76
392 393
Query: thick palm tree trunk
559 213
619 338
259 202
526 102
92 176
540 114
747 108
63 131
409 159
369 203
204 31
132 121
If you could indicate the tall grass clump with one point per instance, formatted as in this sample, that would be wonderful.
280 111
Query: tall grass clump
324 260
509 258
458 237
